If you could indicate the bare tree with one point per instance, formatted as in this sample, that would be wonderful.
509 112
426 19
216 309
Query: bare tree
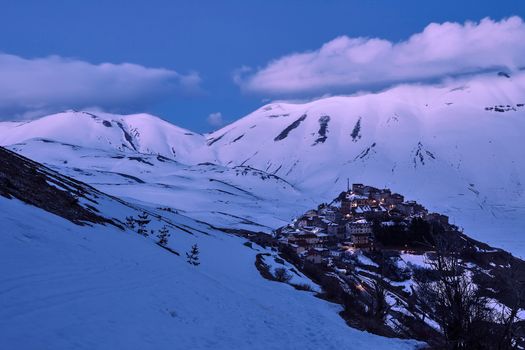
378 306
450 296
508 315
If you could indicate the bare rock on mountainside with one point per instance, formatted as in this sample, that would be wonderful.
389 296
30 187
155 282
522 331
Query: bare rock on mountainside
42 187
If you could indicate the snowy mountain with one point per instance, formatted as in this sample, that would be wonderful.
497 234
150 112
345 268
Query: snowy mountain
456 147
142 133
77 278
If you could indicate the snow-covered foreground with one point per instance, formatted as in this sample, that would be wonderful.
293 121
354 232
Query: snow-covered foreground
64 286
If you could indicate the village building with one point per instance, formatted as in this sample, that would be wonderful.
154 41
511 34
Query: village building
332 228
371 213
382 195
358 227
393 200
388 223
346 207
332 215
313 256
439 218
357 200
324 238
375 194
360 232
302 222
299 247
359 189
311 214
337 253
311 239
362 241
411 208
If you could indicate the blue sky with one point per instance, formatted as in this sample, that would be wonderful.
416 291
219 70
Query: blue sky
206 42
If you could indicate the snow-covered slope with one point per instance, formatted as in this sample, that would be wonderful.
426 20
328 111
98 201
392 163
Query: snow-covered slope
238 197
455 147
142 133
66 286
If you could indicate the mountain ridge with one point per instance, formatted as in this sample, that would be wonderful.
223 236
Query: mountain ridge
453 146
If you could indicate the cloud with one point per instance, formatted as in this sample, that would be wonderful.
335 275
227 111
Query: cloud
346 63
215 119
31 87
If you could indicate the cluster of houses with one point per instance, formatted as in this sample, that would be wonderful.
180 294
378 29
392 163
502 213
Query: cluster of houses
332 230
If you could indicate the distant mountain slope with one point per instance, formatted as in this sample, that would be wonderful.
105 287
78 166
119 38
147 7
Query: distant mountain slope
231 197
142 133
406 133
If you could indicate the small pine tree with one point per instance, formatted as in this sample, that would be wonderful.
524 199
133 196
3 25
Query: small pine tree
193 256
130 222
163 236
142 221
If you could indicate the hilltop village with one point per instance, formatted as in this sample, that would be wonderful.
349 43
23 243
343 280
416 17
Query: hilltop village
381 257
361 218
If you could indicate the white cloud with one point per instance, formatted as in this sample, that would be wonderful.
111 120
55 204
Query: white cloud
31 86
215 119
354 63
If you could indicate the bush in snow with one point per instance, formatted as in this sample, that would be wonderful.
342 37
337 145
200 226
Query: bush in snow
282 275
130 222
302 286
